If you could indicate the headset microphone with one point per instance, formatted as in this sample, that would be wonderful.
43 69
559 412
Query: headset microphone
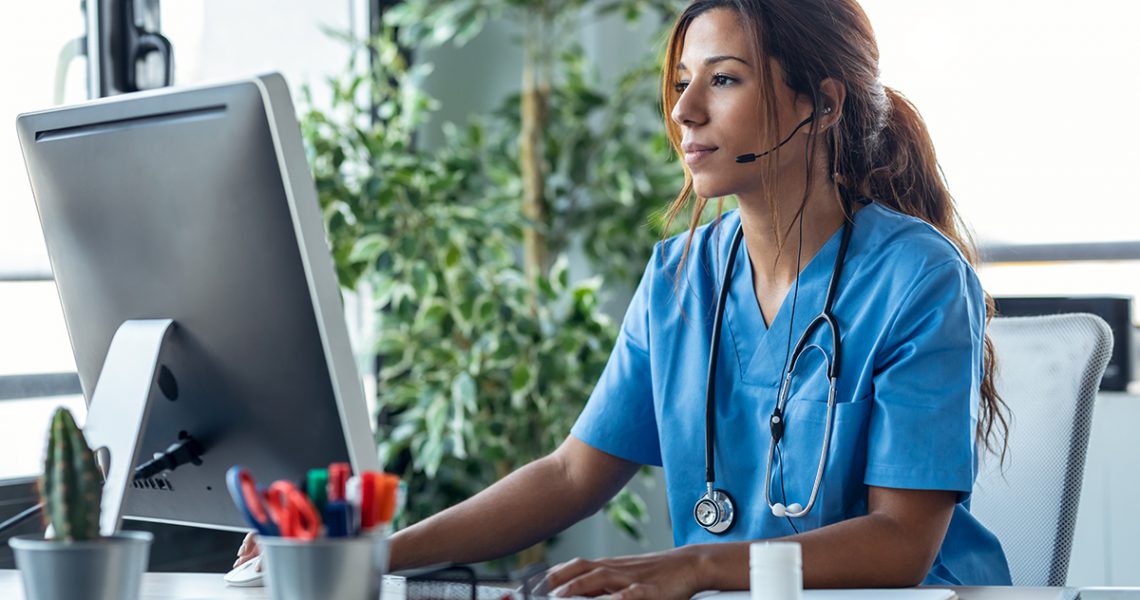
747 158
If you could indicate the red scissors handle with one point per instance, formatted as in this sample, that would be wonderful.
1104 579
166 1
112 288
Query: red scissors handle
294 514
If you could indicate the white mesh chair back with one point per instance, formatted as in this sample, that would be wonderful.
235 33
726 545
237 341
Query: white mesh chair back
1048 372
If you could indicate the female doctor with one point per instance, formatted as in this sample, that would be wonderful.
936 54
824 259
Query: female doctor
860 440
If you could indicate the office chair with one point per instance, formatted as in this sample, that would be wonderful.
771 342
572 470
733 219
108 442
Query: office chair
1048 372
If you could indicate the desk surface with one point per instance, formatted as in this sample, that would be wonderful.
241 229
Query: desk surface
195 586
158 586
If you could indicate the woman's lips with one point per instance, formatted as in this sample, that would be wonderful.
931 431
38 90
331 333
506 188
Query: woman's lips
696 154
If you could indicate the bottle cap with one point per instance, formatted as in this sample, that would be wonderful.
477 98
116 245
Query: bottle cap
775 554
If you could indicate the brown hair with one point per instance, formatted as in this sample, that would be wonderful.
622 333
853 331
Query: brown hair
880 148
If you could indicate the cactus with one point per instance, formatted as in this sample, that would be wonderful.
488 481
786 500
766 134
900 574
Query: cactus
71 487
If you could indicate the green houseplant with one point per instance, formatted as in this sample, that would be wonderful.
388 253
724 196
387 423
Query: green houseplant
589 156
76 561
488 349
482 368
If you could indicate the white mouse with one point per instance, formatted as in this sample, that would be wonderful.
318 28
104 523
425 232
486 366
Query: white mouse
246 574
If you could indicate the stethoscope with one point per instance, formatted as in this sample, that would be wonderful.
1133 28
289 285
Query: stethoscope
716 511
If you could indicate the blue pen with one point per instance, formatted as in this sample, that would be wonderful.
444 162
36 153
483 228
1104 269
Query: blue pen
338 512
338 519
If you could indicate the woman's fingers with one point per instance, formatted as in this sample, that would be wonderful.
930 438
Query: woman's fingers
241 560
600 580
567 571
245 543
637 591
660 576
247 550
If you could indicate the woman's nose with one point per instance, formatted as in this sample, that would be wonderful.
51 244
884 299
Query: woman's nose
688 110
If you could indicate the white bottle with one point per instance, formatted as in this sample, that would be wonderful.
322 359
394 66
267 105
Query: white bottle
776 570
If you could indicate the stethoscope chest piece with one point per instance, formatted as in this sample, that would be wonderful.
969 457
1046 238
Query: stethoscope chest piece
715 511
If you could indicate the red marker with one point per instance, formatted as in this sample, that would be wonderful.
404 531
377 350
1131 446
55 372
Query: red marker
338 479
370 489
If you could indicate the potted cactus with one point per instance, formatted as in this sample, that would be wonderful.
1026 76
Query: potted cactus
74 561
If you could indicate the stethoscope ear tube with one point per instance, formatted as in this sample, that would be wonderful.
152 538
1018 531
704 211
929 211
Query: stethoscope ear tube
781 510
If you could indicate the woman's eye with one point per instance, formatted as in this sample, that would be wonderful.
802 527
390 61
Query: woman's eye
718 80
722 80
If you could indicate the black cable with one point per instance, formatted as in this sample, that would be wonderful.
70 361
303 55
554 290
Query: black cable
787 353
20 518
783 494
186 450
795 295
747 158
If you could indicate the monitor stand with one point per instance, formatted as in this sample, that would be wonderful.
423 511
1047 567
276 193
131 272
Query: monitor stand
119 408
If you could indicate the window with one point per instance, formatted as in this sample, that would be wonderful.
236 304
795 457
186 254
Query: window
35 40
217 40
1025 100
1027 103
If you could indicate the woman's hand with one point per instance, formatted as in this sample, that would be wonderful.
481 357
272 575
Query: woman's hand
247 551
673 574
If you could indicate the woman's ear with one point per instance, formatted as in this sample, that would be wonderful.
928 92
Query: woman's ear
832 93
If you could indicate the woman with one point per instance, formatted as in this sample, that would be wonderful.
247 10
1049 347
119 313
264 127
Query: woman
841 191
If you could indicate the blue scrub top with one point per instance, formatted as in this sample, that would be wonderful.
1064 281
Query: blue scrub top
911 316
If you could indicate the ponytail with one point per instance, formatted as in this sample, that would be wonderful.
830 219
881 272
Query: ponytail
905 171
905 175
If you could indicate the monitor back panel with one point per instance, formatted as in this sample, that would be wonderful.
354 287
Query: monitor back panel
173 206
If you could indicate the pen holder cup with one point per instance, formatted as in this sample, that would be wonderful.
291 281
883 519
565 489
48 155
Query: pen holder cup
329 568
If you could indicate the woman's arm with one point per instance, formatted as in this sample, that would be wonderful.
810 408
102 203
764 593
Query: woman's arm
525 507
892 546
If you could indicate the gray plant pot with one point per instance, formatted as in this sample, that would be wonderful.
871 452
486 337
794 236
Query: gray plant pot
109 568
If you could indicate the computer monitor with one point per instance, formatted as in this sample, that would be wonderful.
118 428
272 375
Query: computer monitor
196 207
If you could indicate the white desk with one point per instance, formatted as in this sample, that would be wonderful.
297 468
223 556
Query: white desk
158 586
964 593
200 586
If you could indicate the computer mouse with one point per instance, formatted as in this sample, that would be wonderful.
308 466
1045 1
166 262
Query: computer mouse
246 574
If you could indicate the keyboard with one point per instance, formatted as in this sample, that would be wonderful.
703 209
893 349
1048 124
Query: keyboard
396 588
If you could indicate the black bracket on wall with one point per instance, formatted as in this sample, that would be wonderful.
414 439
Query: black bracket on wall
120 40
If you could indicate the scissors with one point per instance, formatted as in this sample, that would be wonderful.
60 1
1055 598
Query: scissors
281 510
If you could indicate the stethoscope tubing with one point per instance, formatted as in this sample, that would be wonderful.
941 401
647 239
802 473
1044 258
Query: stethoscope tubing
710 388
824 318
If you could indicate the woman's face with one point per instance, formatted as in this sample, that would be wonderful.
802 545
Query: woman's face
720 112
